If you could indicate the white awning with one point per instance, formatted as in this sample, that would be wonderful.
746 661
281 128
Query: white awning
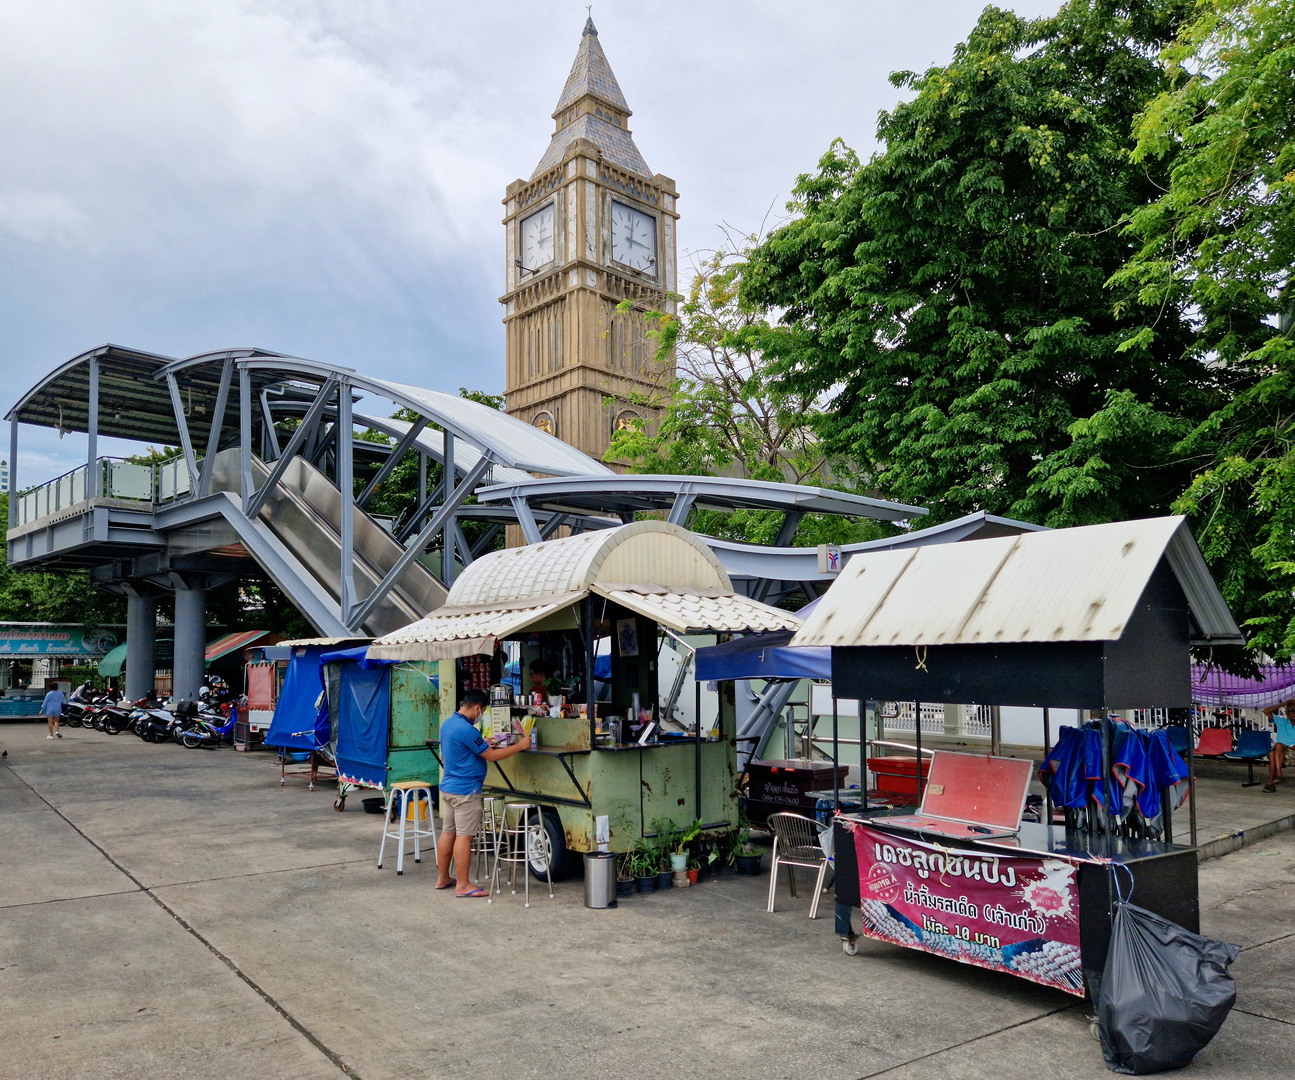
453 632
690 611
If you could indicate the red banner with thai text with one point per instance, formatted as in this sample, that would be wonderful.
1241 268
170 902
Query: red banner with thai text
1011 913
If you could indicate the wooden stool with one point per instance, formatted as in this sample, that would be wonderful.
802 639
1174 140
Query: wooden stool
408 794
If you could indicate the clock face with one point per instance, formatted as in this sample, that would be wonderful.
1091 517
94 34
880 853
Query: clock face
537 239
633 238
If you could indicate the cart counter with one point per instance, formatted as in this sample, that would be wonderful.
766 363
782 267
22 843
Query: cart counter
631 784
1039 905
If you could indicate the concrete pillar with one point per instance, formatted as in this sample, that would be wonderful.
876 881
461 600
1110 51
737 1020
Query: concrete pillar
141 638
190 642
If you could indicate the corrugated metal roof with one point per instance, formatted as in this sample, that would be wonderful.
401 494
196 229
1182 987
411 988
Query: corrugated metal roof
227 643
460 633
658 569
700 610
655 552
1079 584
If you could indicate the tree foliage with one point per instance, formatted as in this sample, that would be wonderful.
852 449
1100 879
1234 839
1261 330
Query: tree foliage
949 293
1221 239
37 596
728 413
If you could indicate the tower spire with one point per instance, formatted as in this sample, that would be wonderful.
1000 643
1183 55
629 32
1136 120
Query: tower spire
593 107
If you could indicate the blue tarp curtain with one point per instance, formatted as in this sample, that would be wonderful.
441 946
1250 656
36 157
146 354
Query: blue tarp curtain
363 717
297 723
763 656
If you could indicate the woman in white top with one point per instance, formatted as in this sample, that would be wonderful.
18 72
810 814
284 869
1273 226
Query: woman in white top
1283 717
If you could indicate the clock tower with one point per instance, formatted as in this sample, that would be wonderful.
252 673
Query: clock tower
592 229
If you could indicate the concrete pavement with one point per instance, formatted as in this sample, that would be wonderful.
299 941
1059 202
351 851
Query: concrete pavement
167 912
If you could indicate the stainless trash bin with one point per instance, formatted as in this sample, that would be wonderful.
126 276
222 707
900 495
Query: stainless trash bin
600 879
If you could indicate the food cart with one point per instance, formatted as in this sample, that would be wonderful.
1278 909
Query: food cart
1100 617
381 714
615 754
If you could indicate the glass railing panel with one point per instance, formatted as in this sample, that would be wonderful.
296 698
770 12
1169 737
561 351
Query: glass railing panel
127 480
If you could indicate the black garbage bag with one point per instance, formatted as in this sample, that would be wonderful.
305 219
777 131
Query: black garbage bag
1165 993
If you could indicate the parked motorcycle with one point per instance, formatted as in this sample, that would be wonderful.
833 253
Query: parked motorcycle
196 727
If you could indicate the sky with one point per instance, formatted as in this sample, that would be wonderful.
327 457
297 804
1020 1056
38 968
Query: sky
323 177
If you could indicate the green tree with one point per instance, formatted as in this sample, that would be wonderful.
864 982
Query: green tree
726 412
1221 240
37 596
949 293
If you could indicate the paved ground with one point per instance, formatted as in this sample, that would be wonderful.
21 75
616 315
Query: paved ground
174 913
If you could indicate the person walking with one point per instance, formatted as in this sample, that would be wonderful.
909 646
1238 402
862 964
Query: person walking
1282 716
52 707
464 757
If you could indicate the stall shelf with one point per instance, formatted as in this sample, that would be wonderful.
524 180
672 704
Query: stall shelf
637 589
1098 617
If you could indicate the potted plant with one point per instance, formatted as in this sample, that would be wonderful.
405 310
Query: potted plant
694 869
664 875
624 874
746 857
643 867
679 857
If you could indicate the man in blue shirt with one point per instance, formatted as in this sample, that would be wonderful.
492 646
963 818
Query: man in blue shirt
52 707
464 754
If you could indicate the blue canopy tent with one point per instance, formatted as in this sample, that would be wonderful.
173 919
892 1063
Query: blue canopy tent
299 723
763 656
769 657
363 716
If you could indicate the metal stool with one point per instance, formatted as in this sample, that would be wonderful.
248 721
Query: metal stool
409 794
485 844
521 839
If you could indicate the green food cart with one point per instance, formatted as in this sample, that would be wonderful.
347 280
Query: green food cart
612 616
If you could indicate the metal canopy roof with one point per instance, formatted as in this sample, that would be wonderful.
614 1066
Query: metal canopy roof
640 492
132 404
510 441
800 564
1063 585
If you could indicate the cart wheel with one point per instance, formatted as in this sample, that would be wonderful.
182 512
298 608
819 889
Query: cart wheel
1093 1030
281 781
339 804
850 946
310 786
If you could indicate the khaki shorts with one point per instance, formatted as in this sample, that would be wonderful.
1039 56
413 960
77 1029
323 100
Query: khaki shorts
461 814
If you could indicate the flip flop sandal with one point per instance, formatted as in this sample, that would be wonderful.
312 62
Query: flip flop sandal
475 894
449 884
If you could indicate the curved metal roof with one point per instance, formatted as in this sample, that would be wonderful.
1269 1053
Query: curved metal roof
656 569
641 492
132 405
644 551
509 441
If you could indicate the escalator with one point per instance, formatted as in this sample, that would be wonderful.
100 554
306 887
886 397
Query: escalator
303 514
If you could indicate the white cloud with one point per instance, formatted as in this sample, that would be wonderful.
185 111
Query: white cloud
324 176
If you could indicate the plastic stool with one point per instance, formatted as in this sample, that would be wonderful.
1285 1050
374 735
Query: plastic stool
485 844
408 793
522 838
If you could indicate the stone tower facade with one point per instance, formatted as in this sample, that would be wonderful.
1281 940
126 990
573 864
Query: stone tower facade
592 228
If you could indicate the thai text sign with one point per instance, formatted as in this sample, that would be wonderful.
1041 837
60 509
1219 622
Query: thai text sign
1007 912
18 641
